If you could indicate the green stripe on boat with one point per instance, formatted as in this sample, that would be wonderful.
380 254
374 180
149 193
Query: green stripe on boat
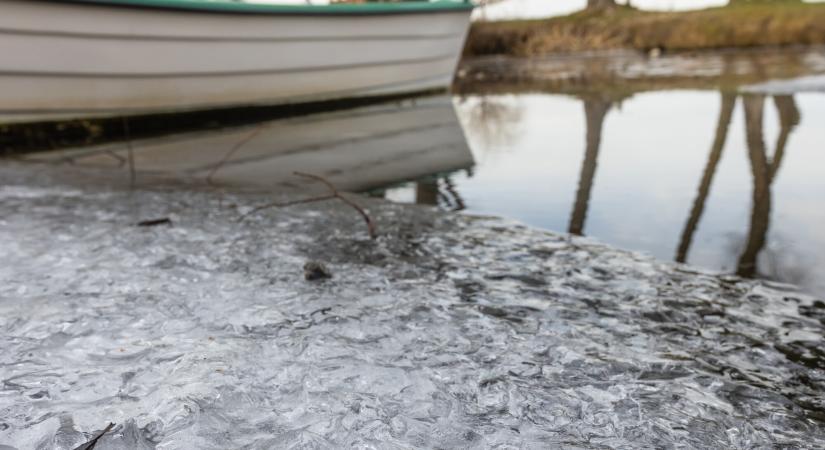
228 6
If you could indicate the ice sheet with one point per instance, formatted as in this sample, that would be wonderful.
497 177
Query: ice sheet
448 331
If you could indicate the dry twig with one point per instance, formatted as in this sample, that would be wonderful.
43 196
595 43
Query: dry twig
155 222
129 151
231 152
93 442
334 193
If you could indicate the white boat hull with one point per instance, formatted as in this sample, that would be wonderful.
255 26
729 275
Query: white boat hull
64 58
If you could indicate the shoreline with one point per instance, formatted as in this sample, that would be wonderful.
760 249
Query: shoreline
736 27
624 72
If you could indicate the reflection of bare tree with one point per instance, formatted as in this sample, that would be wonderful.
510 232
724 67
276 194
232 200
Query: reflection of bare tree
725 113
595 110
492 120
764 172
452 195
760 215
788 119
431 192
426 192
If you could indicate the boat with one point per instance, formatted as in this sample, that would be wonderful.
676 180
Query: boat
358 149
86 58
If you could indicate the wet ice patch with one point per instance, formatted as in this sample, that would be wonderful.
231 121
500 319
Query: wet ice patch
446 331
29 192
813 83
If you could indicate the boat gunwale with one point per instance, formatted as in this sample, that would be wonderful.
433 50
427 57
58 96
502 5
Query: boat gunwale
227 7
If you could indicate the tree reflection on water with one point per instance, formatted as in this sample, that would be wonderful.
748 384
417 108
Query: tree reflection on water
753 258
725 113
763 168
596 108
764 171
494 121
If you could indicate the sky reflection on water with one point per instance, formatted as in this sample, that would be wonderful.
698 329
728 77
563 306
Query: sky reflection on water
534 163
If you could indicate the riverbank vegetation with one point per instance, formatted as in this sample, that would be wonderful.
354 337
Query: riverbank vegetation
742 24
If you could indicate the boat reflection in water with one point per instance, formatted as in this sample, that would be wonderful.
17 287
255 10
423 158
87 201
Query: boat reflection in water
358 150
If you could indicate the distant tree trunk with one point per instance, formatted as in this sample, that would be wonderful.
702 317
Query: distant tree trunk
741 2
601 4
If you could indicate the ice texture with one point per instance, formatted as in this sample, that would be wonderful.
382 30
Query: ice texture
448 331
810 83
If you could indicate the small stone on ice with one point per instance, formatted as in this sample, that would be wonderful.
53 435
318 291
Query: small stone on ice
314 270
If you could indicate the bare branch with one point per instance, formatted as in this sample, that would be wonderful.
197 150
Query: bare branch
232 151
93 442
129 151
284 204
334 193
318 178
357 207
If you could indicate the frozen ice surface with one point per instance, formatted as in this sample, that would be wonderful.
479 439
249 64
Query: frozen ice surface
811 83
446 332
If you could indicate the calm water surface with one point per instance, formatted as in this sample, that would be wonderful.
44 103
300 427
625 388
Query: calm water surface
727 182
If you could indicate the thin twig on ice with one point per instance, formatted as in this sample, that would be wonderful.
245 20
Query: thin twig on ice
334 193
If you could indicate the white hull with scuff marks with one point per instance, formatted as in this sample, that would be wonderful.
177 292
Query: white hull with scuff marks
73 60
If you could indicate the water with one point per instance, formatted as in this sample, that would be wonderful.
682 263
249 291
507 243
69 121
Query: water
675 172
641 185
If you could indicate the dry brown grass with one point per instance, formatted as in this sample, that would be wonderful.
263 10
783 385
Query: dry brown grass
742 26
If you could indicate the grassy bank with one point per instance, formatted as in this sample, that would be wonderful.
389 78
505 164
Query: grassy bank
737 26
